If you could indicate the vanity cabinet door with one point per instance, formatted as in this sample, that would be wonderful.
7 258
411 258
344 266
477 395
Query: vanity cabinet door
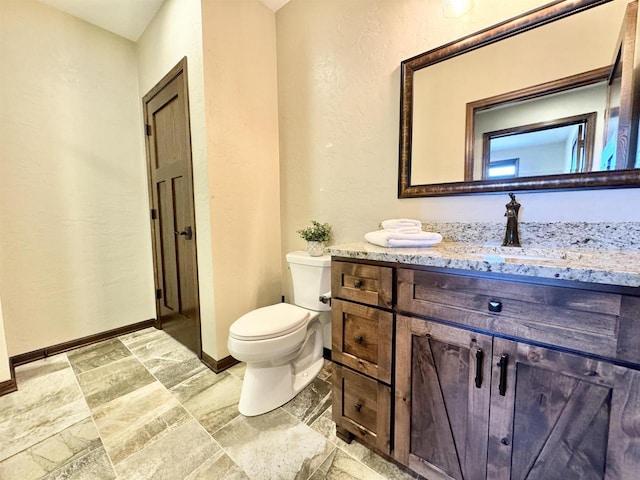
443 378
562 416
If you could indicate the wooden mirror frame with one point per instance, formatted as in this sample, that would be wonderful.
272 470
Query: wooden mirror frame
527 21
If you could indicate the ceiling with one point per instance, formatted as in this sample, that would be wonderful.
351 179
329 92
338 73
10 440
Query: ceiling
127 18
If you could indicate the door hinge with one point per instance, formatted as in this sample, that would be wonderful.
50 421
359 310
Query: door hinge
153 214
147 129
158 293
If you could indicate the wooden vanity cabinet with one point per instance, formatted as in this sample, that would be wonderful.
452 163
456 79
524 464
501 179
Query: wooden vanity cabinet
465 376
362 341
472 405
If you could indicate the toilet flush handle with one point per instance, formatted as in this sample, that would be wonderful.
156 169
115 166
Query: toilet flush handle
326 298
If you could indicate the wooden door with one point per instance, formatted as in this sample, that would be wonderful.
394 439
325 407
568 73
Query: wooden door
442 399
561 416
168 142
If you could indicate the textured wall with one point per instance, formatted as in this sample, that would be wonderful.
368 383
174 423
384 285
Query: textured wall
239 42
5 373
75 248
339 96
175 32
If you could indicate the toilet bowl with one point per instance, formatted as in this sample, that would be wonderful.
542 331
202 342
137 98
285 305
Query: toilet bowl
282 344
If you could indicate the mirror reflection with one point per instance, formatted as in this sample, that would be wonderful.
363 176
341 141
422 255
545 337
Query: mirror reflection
551 134
537 104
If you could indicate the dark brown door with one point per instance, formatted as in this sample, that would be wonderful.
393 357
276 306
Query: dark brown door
443 384
168 141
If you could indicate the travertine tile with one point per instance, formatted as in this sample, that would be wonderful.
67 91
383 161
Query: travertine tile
325 426
174 456
148 431
53 452
340 466
237 370
219 467
97 355
92 466
166 358
171 371
131 422
327 371
311 402
212 399
157 344
104 384
273 446
140 337
48 401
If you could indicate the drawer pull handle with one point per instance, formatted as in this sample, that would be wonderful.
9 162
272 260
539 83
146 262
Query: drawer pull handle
502 387
358 407
359 339
495 306
357 283
479 358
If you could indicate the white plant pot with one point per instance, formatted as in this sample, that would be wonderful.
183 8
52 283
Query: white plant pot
315 249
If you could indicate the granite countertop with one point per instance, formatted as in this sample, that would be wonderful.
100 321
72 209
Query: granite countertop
608 267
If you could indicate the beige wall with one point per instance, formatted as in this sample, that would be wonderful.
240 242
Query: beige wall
339 94
176 32
75 250
234 135
5 372
242 143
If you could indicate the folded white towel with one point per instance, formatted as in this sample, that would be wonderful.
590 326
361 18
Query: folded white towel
385 238
400 223
393 243
404 230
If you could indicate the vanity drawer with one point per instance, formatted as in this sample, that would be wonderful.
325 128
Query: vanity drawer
369 284
362 406
582 320
362 338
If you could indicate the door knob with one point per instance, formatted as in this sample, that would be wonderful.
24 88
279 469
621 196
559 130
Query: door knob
187 232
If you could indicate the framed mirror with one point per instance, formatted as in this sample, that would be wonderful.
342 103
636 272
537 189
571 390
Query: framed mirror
525 81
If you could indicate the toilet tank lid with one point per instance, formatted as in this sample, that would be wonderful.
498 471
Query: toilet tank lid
267 322
304 258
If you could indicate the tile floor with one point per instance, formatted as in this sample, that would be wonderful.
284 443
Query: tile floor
142 406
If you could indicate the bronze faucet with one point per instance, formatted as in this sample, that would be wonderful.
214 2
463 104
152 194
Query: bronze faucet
511 238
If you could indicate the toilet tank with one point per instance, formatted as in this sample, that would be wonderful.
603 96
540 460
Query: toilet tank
311 278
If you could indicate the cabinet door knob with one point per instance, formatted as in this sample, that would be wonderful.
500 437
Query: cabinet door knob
358 338
495 306
357 283
358 407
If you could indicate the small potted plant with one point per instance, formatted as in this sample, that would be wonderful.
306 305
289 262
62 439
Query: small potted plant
316 236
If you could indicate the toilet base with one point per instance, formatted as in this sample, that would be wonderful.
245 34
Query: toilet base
266 387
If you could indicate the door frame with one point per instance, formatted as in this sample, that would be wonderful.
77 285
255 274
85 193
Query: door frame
179 68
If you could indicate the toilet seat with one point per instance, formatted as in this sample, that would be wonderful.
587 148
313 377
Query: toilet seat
269 322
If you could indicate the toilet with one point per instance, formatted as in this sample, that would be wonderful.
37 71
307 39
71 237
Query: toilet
282 344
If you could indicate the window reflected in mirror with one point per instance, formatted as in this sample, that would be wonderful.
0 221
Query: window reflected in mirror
563 145
553 128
